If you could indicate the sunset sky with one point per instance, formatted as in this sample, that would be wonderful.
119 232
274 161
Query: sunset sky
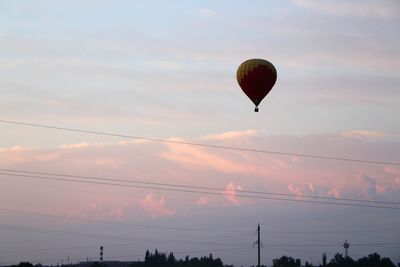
167 70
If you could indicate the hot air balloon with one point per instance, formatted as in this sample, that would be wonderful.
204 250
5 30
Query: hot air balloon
256 77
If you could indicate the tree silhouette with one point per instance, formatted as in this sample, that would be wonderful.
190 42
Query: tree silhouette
171 259
339 260
324 259
159 259
24 264
375 260
286 261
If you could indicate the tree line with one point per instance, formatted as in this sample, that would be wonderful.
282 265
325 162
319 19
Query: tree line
160 259
372 260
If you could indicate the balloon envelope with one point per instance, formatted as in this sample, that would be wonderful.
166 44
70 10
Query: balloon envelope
256 77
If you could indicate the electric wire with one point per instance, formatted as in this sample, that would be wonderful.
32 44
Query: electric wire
313 156
320 242
196 187
335 231
72 248
108 237
198 191
265 233
333 245
112 237
188 229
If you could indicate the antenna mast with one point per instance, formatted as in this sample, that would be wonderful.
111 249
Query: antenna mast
346 246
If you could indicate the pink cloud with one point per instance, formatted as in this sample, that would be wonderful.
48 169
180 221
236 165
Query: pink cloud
231 135
307 189
196 157
156 207
363 134
230 193
361 187
73 146
18 155
202 201
295 190
334 192
365 187
16 149
191 165
99 211
380 188
392 170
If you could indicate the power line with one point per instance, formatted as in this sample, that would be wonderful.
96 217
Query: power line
266 233
334 245
112 237
198 192
119 223
333 231
197 187
78 247
313 156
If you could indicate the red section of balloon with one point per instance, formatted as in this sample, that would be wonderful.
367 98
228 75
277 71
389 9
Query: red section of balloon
256 77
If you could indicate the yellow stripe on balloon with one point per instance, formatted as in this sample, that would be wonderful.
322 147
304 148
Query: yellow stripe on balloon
249 65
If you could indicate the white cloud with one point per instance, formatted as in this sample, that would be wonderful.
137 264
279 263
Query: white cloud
10 64
208 12
165 65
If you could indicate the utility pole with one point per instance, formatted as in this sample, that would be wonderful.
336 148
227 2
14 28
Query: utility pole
258 242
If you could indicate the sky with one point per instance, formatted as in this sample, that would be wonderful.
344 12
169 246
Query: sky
167 70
